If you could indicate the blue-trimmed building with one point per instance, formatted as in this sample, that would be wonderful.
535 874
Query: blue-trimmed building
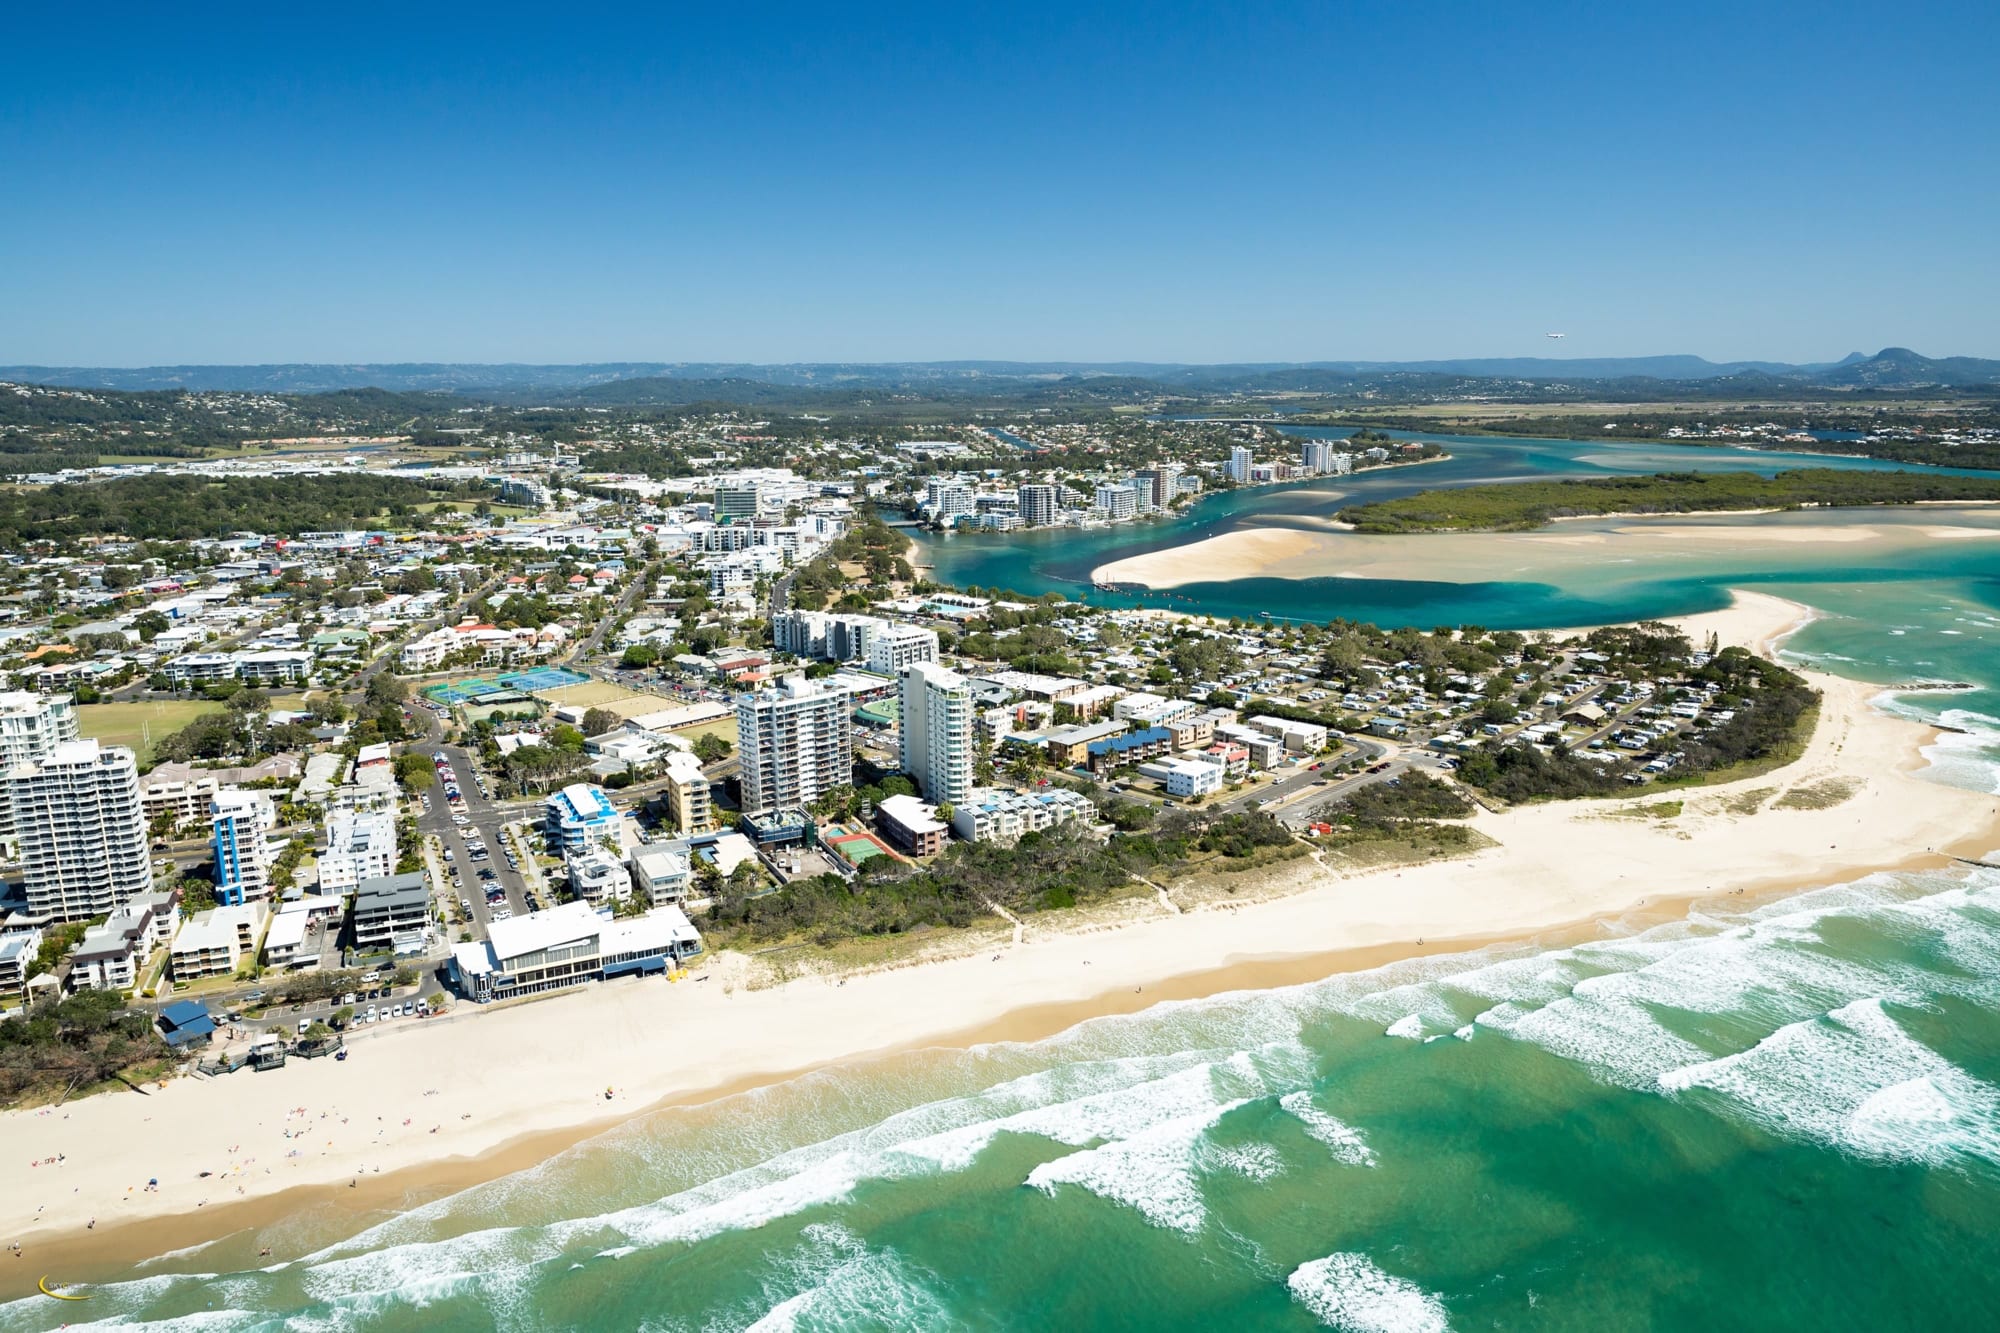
239 824
580 816
1131 748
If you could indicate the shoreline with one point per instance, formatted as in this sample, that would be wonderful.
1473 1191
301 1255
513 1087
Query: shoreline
1569 867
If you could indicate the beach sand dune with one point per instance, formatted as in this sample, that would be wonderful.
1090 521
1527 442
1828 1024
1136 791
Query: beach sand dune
443 1096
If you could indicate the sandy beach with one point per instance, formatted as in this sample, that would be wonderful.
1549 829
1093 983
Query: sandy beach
1640 542
460 1099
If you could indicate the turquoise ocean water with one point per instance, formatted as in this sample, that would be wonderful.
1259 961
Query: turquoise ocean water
1779 1117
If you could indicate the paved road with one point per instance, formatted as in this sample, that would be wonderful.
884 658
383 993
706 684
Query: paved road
486 816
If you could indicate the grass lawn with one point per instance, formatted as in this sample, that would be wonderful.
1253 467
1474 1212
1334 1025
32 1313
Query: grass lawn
593 694
140 724
725 728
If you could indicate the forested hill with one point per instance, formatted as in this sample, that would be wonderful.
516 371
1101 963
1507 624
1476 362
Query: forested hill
1522 506
177 508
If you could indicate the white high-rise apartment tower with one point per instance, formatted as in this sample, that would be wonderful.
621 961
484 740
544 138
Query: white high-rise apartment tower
1039 503
82 830
796 741
938 732
31 725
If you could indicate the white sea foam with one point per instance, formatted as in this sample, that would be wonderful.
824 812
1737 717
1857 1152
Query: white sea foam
1341 1138
1409 1027
847 1284
1252 1161
1348 1292
1854 1079
1152 1172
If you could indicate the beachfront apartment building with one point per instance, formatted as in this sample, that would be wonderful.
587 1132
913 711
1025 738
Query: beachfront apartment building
1240 464
392 912
81 829
581 817
911 825
240 825
1003 815
360 845
661 872
111 956
939 731
19 951
1185 778
568 945
216 942
31 725
796 741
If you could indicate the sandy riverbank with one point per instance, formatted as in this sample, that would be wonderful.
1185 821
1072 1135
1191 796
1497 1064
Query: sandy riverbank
1450 557
512 1085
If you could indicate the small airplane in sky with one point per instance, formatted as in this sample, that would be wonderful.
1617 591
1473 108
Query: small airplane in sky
1557 335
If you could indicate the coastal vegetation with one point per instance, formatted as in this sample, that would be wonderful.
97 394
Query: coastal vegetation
1409 809
62 1046
1054 869
1524 506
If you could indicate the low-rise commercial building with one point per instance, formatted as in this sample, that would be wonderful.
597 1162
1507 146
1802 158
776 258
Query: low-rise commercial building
567 946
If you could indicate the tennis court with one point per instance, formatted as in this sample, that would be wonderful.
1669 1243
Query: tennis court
541 678
475 688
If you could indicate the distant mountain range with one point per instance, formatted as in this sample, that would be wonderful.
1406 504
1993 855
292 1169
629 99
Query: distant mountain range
1893 368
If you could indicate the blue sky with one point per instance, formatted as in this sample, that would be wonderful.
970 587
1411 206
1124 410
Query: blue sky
1145 182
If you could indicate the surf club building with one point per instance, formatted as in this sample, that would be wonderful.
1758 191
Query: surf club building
567 946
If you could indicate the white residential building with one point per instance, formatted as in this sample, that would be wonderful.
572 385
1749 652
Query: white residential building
938 731
82 830
215 943
1239 464
893 647
796 740
1118 502
1039 503
1000 814
948 498
359 845
31 725
661 871
1185 777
